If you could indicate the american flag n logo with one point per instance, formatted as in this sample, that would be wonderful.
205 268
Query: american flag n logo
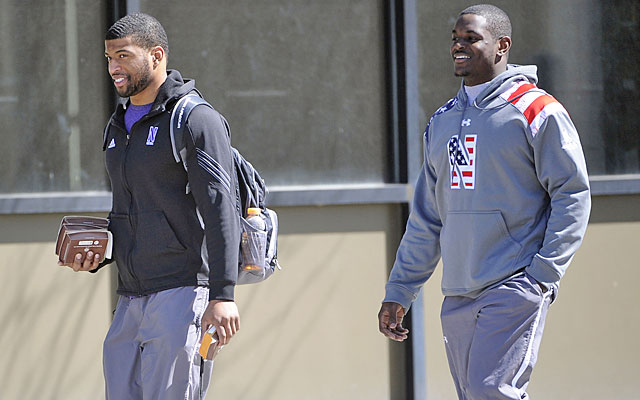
462 157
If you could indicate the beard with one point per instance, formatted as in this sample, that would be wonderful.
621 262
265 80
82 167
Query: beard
137 83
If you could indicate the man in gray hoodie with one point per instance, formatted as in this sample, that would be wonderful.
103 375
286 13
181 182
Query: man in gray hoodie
503 197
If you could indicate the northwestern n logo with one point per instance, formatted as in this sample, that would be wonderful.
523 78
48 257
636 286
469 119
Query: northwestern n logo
462 157
151 139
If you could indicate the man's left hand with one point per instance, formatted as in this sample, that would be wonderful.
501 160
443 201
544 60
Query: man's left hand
91 262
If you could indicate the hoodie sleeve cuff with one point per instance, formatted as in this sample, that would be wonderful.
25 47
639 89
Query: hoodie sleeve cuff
543 273
102 264
400 295
221 291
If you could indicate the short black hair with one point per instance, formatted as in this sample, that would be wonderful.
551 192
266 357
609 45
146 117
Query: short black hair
498 22
144 30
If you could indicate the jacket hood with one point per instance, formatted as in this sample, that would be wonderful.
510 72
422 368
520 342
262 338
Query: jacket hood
500 84
174 87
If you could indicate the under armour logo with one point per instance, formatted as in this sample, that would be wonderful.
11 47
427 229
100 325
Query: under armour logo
112 144
151 139
466 122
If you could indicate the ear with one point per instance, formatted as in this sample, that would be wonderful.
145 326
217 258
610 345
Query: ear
157 56
504 45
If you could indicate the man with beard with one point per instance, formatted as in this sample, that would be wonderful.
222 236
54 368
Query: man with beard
503 196
176 232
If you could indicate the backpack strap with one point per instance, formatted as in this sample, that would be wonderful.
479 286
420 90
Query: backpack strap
177 125
252 190
179 116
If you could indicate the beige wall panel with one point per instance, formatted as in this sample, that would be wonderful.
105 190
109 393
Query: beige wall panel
590 349
590 345
53 319
310 331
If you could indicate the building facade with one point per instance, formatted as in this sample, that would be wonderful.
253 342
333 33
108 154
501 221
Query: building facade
341 91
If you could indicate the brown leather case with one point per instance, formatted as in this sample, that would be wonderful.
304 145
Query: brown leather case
74 242
80 234
78 223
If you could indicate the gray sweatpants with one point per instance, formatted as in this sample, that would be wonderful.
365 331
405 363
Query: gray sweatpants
492 341
151 349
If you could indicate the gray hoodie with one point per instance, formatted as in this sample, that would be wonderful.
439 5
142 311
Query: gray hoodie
503 188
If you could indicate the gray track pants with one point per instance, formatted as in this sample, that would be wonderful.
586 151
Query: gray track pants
492 342
151 350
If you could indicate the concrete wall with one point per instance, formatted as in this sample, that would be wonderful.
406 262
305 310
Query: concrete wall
310 332
53 320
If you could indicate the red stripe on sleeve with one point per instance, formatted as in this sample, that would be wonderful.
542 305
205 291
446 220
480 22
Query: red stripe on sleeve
522 89
536 106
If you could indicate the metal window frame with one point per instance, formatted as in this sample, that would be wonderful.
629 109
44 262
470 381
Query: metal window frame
402 42
312 195
608 185
100 201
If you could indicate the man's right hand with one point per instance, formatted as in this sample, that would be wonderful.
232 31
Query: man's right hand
224 316
390 321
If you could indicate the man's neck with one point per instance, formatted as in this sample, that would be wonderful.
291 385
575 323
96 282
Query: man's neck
149 94
500 68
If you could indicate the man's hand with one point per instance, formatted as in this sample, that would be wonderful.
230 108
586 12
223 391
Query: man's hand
390 321
222 314
90 262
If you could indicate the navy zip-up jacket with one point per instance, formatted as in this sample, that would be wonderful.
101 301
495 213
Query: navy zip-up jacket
164 235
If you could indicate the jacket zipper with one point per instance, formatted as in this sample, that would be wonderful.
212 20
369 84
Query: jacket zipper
125 184
128 189
124 179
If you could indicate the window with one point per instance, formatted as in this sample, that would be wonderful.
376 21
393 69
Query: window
588 57
53 96
305 80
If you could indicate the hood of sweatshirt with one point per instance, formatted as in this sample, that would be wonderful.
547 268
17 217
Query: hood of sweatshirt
499 85
173 88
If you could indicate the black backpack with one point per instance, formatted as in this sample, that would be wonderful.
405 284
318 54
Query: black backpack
260 247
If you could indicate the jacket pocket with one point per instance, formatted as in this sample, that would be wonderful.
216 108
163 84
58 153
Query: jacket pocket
120 227
157 252
477 250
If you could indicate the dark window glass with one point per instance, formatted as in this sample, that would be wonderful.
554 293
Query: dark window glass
302 83
53 96
588 57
